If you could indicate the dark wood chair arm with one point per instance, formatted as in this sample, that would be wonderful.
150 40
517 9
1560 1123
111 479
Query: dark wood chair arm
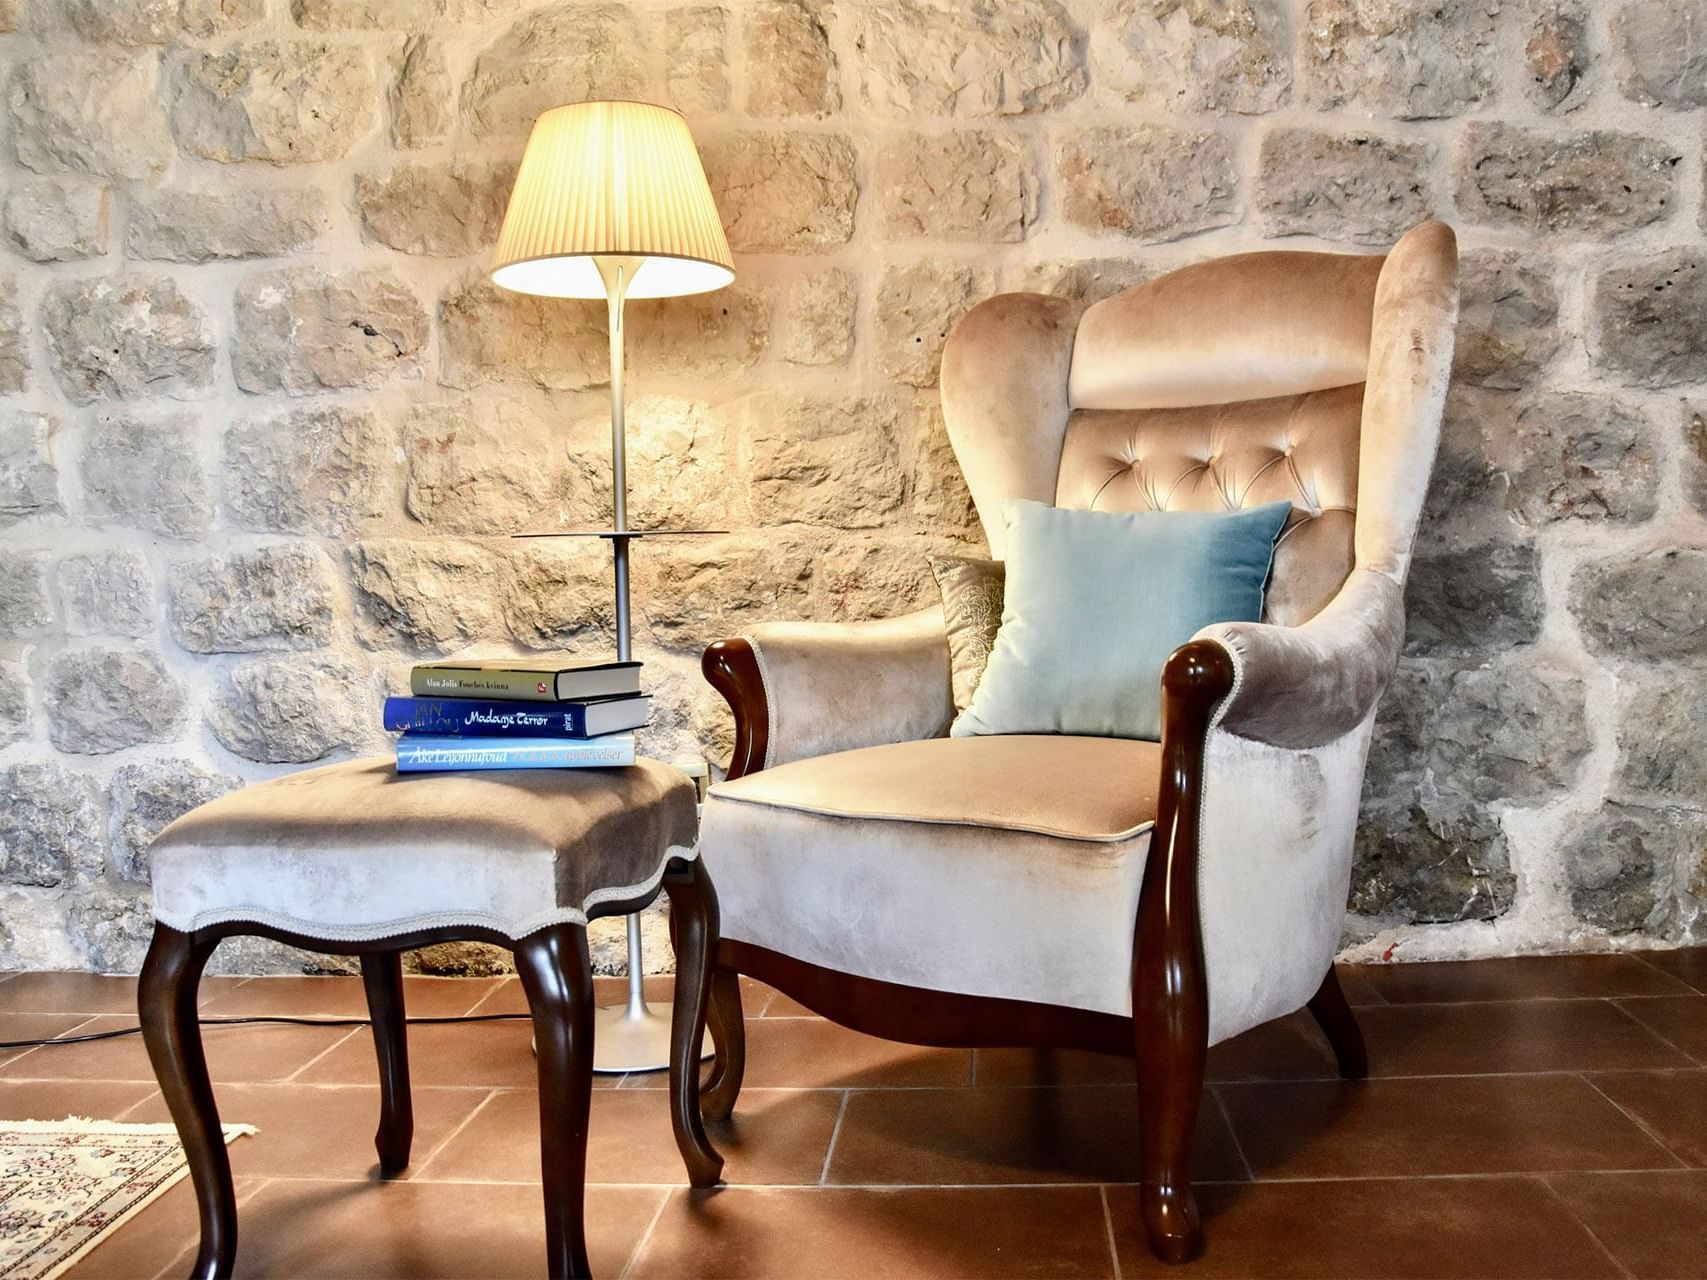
731 667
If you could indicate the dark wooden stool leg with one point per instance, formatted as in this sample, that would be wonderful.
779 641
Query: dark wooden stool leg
382 976
1334 1016
693 917
166 1004
558 978
729 1034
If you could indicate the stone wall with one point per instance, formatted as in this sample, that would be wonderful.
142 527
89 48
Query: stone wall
264 426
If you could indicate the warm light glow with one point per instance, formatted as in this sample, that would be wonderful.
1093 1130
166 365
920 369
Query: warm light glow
611 178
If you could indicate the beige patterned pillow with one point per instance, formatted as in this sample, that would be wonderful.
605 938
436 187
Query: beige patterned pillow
972 607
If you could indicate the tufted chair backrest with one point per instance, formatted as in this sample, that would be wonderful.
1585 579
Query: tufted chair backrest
1313 377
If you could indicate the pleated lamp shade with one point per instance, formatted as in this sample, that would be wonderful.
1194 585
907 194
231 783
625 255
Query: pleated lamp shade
617 179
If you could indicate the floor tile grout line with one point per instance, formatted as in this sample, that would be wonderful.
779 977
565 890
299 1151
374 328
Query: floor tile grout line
1643 957
1108 1229
646 1235
835 1132
1617 1263
1657 1033
419 1167
1232 1133
295 1076
1648 1130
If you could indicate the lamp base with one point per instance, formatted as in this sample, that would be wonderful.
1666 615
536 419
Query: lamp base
630 1038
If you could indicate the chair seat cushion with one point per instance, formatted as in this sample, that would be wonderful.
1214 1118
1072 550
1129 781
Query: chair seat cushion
1050 784
998 866
357 851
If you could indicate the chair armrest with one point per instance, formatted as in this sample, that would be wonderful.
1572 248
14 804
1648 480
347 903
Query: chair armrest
1305 686
801 689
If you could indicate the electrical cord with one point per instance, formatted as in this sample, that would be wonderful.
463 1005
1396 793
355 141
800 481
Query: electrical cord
116 1032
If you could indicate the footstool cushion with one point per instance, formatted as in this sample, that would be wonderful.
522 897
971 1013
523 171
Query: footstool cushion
356 851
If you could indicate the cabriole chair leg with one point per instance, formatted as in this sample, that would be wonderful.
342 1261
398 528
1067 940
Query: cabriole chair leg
1333 1015
693 917
166 1005
729 1035
382 977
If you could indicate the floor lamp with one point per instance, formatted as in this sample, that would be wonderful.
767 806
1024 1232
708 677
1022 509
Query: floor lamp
611 202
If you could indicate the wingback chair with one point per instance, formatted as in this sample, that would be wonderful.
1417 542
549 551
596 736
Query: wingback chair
1140 897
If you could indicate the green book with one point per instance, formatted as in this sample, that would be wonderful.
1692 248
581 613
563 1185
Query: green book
524 681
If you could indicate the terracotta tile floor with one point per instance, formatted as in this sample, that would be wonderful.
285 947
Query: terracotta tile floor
1535 1117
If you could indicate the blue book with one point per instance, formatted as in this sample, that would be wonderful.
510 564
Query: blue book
480 718
426 753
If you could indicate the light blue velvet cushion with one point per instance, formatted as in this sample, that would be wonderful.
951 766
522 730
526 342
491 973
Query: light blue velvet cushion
1095 603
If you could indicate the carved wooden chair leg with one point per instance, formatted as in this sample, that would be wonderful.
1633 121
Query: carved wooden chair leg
1334 1016
557 975
693 916
382 976
166 1003
729 1035
1171 1059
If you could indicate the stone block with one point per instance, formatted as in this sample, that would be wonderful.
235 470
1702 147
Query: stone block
1647 607
14 705
1660 53
322 469
490 335
703 334
1149 182
697 72
1353 187
817 317
105 698
859 579
446 210
1431 863
90 112
1477 598
1196 56
273 597
289 710
1508 312
29 481
50 826
791 69
783 192
556 55
124 337
420 95
1623 865
1659 732
1512 732
365 15
14 344
1083 279
1556 53
702 589
109 928
679 470
24 607
106 593
304 329
558 595
1645 318
918 305
1597 183
824 461
144 797
146 473
144 22
941 501
227 222
427 596
57 221
1409 59
971 184
984 58
282 101
487 468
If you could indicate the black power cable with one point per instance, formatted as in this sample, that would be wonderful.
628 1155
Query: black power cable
116 1032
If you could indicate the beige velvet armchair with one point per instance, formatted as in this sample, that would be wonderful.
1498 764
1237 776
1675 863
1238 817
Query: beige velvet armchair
1139 897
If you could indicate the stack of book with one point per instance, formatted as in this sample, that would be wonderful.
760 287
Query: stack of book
518 715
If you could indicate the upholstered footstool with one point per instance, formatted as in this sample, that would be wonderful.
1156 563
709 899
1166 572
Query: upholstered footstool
357 859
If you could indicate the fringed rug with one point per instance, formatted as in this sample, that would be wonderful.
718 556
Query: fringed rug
65 1185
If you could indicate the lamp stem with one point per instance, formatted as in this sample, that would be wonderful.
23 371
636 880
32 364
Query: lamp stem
617 274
